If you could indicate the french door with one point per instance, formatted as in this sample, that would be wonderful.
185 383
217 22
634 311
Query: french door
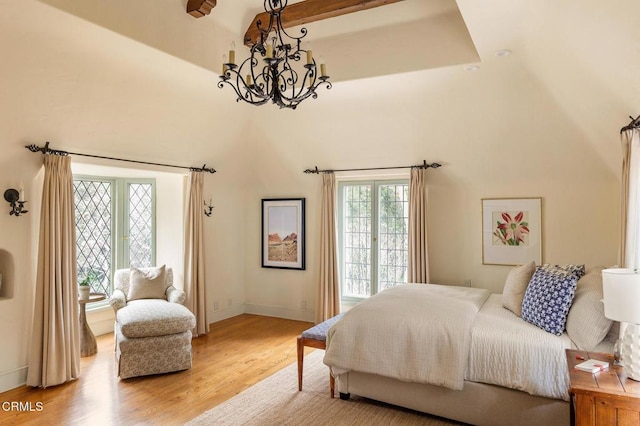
372 233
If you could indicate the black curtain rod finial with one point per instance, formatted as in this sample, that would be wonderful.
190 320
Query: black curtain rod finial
634 124
432 165
203 169
46 150
426 165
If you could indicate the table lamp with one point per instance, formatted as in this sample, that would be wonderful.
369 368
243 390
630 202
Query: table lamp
621 289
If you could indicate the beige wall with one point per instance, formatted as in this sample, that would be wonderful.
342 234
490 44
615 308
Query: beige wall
499 132
87 89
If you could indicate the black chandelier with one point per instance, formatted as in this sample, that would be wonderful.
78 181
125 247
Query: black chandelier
274 71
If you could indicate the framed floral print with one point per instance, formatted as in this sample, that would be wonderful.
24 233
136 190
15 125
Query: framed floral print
283 233
511 231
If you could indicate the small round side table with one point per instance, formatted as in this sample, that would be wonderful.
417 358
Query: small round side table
88 345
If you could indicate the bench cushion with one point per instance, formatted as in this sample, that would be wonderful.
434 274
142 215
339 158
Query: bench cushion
154 317
319 331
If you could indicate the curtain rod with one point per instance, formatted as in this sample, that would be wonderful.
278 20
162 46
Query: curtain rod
424 165
48 151
635 123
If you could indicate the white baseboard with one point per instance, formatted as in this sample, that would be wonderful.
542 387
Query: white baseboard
280 312
102 327
223 314
101 320
13 379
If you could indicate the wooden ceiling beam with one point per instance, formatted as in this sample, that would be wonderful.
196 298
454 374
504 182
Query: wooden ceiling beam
308 11
200 8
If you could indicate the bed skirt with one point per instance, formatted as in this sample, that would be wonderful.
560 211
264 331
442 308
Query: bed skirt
477 403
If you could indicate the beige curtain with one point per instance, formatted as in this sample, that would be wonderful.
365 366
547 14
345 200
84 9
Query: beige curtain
418 248
630 199
54 356
328 304
194 263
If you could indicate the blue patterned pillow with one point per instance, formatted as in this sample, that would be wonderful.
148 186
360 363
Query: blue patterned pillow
549 296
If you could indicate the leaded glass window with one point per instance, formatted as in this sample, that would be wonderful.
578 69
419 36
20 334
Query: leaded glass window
115 227
94 232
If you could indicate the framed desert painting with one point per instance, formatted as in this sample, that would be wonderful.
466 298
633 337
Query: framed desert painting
283 233
511 231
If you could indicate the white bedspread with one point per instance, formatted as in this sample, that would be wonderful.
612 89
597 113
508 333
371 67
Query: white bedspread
510 352
413 332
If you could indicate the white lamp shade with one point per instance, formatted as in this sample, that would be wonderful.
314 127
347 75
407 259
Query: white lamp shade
621 290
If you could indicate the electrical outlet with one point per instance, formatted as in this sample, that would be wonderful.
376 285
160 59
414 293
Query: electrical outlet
230 302
216 306
467 282
303 305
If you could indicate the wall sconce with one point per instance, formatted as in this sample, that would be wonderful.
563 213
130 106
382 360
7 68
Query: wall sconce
208 208
12 196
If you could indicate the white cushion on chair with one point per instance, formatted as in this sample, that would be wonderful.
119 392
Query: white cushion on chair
154 343
121 278
147 284
154 317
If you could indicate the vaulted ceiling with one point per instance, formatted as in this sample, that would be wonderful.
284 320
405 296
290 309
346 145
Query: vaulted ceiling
400 36
585 54
360 39
293 14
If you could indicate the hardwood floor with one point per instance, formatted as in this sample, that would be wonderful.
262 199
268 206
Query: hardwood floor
236 354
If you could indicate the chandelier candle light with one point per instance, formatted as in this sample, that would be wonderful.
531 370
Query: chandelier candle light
621 290
274 71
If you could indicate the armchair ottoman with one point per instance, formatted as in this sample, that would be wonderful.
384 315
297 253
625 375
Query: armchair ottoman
153 328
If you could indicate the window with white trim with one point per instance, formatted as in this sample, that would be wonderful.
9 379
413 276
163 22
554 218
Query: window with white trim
115 227
373 218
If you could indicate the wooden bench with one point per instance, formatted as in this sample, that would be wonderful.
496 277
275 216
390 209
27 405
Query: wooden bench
315 337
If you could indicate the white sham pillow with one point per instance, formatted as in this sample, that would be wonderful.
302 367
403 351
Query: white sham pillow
515 287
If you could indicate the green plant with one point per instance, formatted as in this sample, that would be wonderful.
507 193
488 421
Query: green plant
88 279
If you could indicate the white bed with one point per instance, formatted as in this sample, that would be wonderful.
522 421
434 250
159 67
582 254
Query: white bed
512 372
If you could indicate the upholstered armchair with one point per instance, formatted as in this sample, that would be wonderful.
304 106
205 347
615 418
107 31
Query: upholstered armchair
153 328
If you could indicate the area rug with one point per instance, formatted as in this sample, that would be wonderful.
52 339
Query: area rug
277 401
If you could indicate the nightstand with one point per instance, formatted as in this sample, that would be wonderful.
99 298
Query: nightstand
604 398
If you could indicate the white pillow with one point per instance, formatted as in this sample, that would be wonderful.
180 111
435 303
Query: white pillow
148 284
515 287
586 324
